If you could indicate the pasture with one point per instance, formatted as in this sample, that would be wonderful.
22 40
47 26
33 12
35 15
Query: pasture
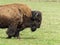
48 34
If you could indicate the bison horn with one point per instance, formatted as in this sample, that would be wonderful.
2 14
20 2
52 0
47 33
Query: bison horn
36 14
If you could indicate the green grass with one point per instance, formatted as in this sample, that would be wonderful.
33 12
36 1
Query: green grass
48 34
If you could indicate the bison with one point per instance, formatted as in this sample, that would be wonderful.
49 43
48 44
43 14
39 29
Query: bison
11 16
34 22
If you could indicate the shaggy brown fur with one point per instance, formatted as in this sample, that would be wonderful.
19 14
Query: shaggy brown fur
23 8
11 15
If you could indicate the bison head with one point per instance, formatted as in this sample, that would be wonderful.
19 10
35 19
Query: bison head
36 20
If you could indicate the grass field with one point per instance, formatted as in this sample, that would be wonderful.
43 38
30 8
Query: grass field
48 34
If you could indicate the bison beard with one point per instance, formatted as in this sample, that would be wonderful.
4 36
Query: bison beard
34 22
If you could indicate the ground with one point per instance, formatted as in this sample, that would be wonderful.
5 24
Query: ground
48 34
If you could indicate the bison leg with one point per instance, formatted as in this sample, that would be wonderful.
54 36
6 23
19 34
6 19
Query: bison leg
18 30
11 30
17 33
21 27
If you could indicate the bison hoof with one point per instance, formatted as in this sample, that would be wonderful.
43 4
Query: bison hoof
18 37
8 37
